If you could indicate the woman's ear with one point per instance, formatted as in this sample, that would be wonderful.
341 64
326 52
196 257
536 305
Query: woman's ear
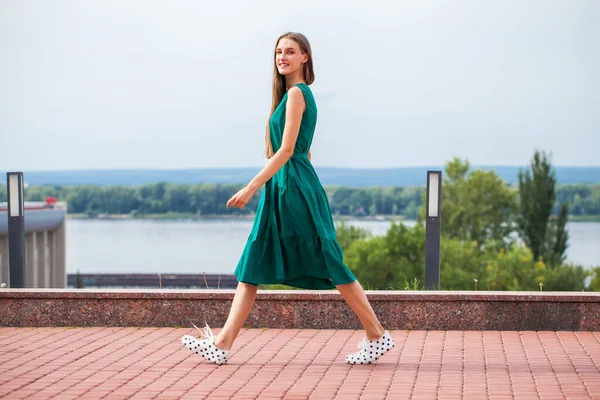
305 58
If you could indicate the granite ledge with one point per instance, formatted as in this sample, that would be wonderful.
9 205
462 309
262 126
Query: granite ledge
303 295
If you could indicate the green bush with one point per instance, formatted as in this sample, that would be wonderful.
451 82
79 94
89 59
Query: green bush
392 260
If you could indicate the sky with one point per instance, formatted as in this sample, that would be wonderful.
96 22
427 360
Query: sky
123 84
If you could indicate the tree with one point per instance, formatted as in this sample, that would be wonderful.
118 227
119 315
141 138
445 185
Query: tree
382 262
546 237
347 234
387 262
557 238
178 198
595 282
476 206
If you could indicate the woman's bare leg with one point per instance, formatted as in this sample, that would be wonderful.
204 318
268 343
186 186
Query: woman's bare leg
243 300
355 296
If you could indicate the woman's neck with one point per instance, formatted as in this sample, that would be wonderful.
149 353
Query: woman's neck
293 80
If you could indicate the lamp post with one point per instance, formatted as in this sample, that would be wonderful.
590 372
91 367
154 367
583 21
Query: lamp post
433 229
16 230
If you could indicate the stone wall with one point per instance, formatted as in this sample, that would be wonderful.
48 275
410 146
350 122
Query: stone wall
397 310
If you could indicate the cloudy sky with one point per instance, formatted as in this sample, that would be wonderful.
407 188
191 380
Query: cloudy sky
186 84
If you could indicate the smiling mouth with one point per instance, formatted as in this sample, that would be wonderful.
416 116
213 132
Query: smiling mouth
284 65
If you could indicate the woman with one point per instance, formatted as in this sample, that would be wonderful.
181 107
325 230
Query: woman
293 240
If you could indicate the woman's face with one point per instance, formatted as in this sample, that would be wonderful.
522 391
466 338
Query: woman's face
288 56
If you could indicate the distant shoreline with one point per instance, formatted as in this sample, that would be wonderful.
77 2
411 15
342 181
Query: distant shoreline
185 216
246 217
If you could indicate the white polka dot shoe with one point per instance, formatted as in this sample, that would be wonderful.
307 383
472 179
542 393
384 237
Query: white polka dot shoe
371 350
206 347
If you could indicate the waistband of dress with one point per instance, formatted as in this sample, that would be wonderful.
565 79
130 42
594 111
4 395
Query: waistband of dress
300 155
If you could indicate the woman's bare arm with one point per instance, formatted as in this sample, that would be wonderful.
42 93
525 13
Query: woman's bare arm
293 117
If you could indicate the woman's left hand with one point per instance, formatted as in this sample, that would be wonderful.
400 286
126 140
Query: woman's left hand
241 198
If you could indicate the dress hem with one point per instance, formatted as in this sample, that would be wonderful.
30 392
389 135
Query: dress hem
333 285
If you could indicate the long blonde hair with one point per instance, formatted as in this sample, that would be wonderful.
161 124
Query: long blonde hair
279 80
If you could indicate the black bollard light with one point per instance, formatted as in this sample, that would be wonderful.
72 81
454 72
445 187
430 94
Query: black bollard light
433 229
16 230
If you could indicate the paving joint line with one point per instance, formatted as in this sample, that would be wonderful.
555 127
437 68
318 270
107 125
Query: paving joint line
187 358
43 376
101 369
397 364
85 355
437 390
586 352
25 345
320 380
349 365
537 388
412 390
240 367
216 368
15 332
142 372
280 350
98 349
572 364
464 353
562 390
374 365
7 329
512 386
485 366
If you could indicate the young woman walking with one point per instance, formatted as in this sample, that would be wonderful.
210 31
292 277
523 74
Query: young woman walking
293 239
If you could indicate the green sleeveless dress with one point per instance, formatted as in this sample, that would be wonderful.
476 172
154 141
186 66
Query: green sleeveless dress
293 241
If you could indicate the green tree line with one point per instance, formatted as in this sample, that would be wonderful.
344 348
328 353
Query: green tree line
493 238
211 199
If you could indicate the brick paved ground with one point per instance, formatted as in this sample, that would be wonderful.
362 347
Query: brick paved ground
151 363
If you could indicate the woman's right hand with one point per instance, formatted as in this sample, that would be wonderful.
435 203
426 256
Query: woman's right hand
242 197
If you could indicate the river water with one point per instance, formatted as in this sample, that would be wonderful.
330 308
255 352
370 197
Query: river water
214 246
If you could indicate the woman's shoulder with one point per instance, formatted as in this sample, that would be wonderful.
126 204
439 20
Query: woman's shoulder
305 89
302 86
295 93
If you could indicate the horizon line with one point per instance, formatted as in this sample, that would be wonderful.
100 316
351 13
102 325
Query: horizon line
253 167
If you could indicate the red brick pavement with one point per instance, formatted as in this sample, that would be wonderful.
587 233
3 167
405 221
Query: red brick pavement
151 363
